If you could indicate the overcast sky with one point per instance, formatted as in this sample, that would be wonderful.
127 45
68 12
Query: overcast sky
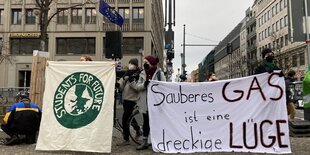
207 22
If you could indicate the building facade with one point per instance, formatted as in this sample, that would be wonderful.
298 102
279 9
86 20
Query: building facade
273 32
74 32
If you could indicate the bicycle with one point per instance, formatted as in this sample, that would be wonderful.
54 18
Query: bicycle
3 100
135 123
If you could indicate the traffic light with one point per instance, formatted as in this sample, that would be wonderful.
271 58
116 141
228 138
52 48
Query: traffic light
170 54
169 37
229 48
183 76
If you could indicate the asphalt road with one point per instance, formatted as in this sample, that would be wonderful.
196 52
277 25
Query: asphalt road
299 146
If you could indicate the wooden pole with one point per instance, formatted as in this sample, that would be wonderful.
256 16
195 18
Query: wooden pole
37 83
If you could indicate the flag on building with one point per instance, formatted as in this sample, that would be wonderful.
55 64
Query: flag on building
77 112
106 10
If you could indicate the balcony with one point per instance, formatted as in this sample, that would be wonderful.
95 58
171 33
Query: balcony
108 27
138 27
123 1
124 28
110 1
138 1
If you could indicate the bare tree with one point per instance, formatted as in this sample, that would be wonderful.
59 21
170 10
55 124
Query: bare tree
45 19
3 56
277 43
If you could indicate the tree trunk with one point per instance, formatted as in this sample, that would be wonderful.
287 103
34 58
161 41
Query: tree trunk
43 27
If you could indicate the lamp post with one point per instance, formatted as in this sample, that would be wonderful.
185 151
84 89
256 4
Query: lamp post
183 54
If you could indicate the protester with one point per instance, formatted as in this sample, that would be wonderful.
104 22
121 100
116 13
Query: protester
22 120
130 97
212 77
267 64
150 72
85 58
289 96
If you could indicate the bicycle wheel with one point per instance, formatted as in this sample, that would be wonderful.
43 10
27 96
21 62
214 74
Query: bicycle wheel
3 100
117 125
135 123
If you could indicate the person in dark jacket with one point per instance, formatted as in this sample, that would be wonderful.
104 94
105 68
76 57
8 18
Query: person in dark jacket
268 64
22 119
130 97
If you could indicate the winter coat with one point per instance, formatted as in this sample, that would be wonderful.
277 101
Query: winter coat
139 86
23 118
263 68
128 92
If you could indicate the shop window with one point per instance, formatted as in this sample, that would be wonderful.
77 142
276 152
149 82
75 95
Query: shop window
75 45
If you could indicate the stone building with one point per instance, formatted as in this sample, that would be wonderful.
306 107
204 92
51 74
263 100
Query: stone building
74 32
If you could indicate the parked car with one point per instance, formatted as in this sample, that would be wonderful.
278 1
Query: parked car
297 94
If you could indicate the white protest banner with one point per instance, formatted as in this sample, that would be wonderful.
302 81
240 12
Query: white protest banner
241 115
77 111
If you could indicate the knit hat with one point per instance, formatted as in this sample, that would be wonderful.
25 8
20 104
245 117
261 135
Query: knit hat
134 61
153 60
24 97
265 51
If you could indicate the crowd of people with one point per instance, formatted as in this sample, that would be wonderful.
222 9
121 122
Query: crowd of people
133 85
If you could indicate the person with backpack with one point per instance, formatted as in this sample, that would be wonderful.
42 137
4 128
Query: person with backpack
22 120
150 72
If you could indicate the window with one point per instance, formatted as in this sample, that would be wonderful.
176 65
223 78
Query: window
285 20
1 45
286 62
76 16
274 11
16 16
286 40
1 16
277 26
62 17
302 59
132 45
90 16
138 14
124 12
24 46
294 63
280 63
75 45
281 4
281 23
30 17
277 8
285 3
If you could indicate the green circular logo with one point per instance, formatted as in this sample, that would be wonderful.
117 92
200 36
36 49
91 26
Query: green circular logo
78 100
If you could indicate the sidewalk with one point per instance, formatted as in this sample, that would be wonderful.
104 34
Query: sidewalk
300 146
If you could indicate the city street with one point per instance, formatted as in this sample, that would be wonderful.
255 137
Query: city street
299 145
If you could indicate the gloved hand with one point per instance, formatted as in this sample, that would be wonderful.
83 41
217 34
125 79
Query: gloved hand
281 74
131 78
146 83
126 77
117 85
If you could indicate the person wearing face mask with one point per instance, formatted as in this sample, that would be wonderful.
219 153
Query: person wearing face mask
150 72
268 64
130 97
